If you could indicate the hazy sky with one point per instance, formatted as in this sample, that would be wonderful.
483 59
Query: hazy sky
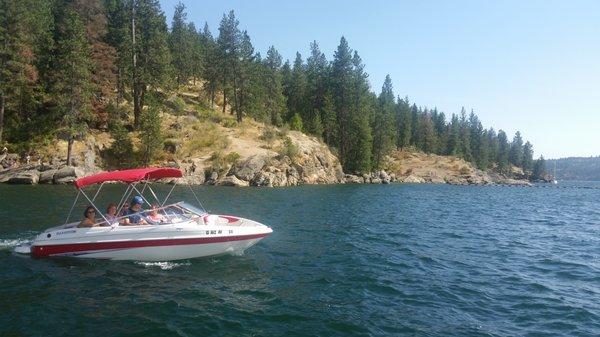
532 66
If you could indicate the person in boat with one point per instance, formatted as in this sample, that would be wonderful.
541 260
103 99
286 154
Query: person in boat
124 209
134 213
156 217
89 217
111 213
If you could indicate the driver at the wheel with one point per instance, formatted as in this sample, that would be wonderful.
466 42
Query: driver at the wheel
134 216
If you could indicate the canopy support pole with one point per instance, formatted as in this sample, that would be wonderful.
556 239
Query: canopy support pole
128 194
123 198
73 206
141 194
96 208
154 195
196 197
168 195
98 191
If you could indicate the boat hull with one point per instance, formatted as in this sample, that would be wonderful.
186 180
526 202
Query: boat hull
151 250
186 240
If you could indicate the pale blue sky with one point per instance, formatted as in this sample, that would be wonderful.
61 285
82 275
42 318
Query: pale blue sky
532 66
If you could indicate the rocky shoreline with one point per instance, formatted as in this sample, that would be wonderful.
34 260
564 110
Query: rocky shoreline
310 167
311 162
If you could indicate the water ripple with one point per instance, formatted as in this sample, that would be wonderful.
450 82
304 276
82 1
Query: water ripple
343 261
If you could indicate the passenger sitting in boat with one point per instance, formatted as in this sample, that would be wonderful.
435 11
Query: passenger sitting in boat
134 216
89 217
124 209
154 216
111 213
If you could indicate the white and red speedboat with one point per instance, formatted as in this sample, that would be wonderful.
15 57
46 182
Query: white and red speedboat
185 231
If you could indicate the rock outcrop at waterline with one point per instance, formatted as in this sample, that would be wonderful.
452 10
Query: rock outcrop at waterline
310 162
41 174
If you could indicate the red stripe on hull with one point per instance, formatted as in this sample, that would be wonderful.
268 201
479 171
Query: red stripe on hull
49 250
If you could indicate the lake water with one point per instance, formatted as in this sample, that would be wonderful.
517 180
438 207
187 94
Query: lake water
353 260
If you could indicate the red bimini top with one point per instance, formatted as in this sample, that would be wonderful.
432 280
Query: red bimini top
129 176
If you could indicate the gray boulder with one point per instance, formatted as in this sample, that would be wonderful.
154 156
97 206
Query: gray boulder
47 177
352 179
211 178
247 169
67 175
232 181
26 178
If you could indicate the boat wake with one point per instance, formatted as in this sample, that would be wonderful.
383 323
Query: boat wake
12 243
163 265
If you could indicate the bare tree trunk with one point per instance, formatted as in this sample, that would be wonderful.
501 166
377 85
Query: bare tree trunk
224 100
137 108
212 97
2 103
119 86
69 149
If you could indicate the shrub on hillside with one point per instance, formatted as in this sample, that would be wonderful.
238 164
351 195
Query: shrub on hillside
269 134
176 104
289 149
296 123
228 122
150 135
120 154
232 157
221 163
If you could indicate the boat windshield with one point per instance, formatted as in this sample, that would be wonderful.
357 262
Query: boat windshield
174 213
192 209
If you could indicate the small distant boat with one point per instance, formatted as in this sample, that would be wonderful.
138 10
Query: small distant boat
186 232
554 181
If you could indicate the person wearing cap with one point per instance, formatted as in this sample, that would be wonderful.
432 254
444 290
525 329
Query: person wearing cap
134 216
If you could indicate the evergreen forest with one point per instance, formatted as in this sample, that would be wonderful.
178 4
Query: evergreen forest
67 66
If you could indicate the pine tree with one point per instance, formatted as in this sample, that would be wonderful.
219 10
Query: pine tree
439 123
515 156
503 151
493 146
71 88
296 100
383 124
198 52
103 56
415 117
341 80
181 44
404 123
150 133
330 124
363 105
316 74
21 29
465 136
119 37
250 89
478 142
527 163
228 44
428 140
211 69
274 100
296 123
454 147
151 59
539 169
